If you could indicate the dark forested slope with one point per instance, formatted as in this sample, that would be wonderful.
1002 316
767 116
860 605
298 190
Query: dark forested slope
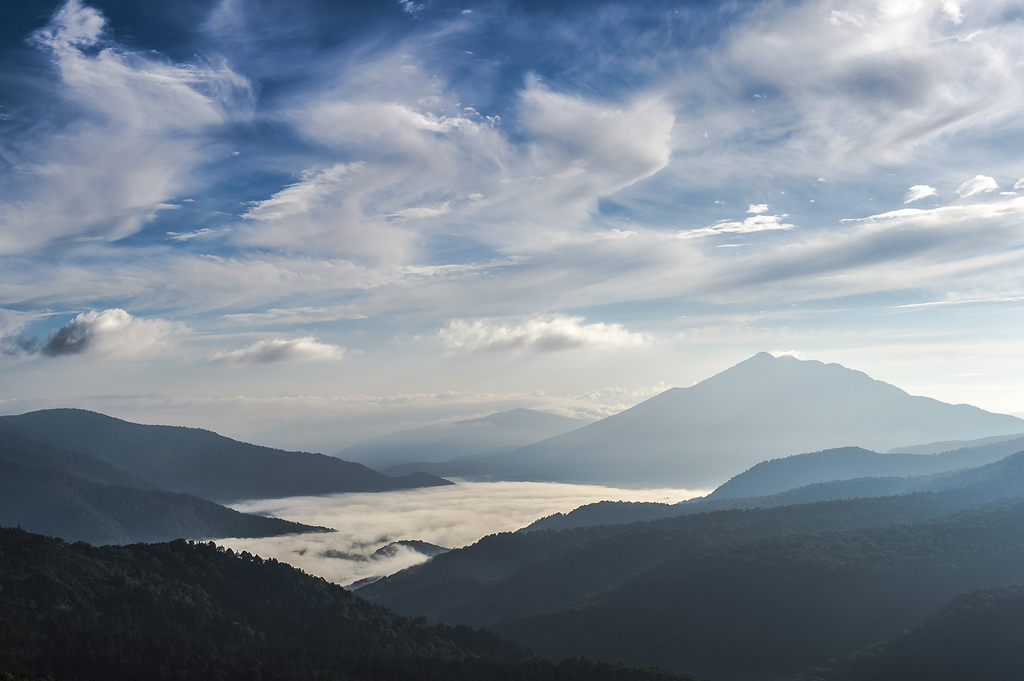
519 573
200 462
977 635
58 504
194 611
769 608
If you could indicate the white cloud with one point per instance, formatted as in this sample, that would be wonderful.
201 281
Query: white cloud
113 333
951 9
295 315
422 212
132 140
1019 184
755 223
977 185
304 349
918 191
758 208
541 334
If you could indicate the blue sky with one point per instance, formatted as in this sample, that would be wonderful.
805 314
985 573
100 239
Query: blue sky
309 223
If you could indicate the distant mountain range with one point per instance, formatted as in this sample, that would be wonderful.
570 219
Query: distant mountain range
409 450
200 462
762 408
843 473
85 476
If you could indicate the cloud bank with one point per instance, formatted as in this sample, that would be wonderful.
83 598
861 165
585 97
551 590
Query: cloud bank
452 517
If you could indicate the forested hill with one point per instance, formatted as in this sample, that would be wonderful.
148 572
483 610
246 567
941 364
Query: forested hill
58 504
977 635
195 611
200 462
771 607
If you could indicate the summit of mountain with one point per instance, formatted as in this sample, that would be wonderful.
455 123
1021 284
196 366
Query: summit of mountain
763 408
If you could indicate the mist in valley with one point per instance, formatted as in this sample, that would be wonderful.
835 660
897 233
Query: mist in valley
451 516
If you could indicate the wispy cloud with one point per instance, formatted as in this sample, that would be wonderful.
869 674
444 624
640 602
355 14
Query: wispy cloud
305 349
917 192
977 185
135 139
540 334
755 223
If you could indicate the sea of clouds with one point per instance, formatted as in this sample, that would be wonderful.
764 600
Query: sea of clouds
451 516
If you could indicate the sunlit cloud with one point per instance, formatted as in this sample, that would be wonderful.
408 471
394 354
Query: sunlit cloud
305 349
917 192
977 185
756 223
541 334
110 333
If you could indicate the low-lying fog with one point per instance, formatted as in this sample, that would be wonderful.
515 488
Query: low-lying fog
451 516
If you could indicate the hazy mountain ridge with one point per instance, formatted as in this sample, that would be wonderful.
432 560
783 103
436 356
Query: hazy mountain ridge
200 462
414 449
848 463
762 408
843 473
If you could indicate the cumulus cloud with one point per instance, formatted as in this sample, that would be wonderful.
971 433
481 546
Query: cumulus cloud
110 333
758 208
1019 184
304 349
977 185
755 223
452 516
918 191
541 334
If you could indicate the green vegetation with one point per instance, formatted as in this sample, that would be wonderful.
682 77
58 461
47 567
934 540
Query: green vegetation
773 606
183 610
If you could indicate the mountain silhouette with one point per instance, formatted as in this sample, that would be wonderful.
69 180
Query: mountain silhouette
200 462
765 407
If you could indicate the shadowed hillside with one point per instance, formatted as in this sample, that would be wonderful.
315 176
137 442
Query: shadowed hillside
199 462
195 611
